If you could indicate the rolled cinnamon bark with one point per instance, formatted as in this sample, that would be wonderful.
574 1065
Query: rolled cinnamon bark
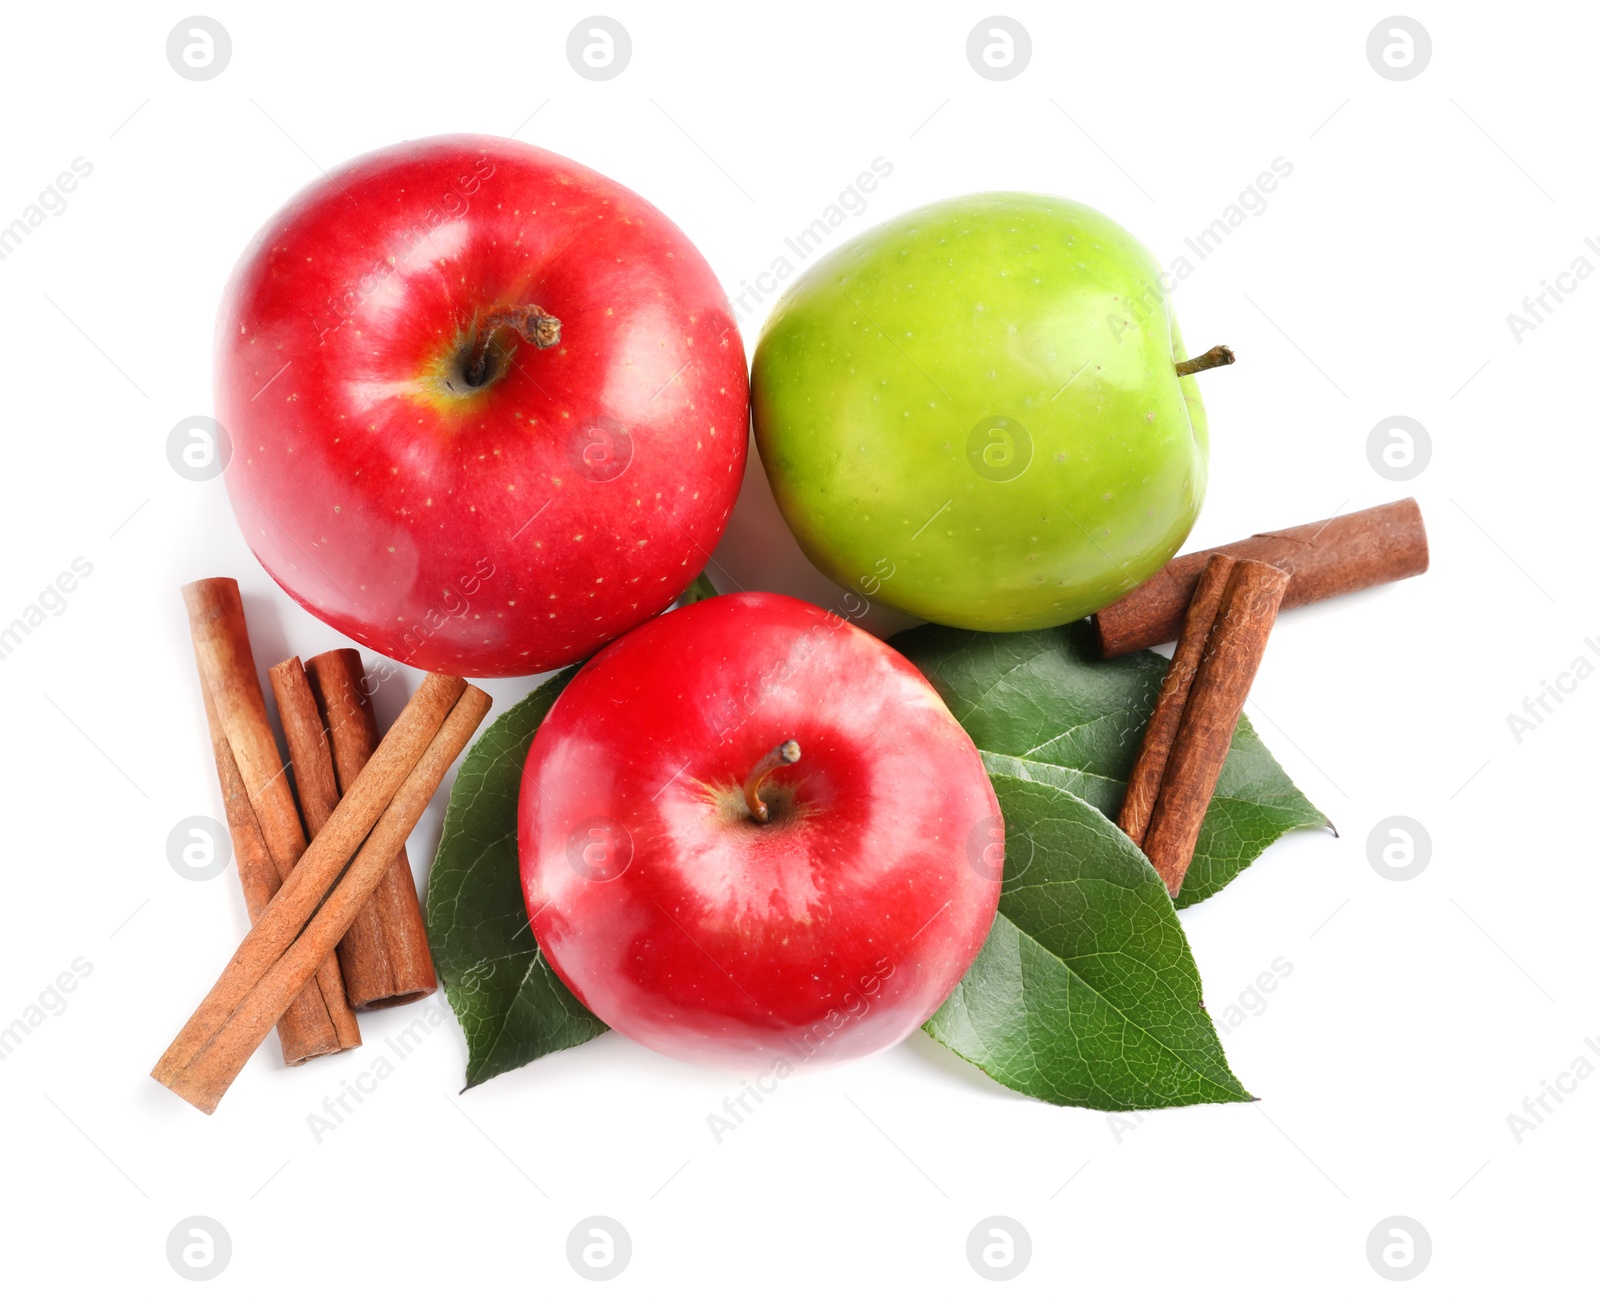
1144 782
309 757
1238 638
332 732
316 905
363 960
306 1030
1325 559
228 678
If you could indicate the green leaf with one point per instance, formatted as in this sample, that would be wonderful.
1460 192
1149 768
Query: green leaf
1086 992
512 1006
699 589
1044 706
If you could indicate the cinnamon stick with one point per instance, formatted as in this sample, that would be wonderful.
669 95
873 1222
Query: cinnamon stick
353 734
332 732
1238 638
318 787
1144 782
1325 559
228 680
306 1030
316 905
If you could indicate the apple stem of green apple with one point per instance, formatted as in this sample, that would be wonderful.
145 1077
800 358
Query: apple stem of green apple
533 324
1219 355
784 755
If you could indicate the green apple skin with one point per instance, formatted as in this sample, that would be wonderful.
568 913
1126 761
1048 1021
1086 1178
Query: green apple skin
971 412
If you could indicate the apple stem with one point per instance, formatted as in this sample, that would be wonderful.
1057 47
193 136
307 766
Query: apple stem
533 324
786 753
1219 355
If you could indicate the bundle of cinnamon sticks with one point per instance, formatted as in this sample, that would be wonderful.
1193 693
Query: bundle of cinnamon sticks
340 882
1221 605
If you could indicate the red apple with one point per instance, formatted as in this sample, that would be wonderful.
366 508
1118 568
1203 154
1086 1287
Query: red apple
831 930
487 407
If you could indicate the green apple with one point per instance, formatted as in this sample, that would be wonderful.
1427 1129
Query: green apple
977 413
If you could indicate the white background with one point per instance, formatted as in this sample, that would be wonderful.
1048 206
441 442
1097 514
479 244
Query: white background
1377 282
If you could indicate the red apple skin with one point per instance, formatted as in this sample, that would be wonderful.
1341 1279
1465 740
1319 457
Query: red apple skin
490 531
831 932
